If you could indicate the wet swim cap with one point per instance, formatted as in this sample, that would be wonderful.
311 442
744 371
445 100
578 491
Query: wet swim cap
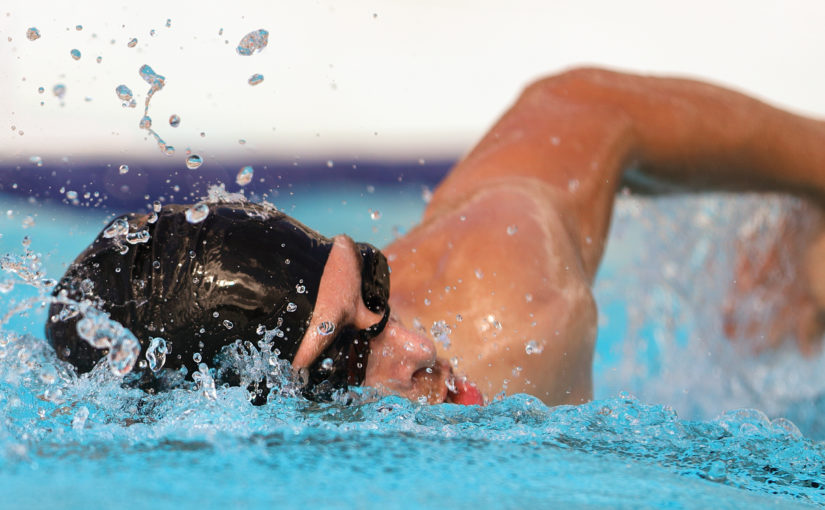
202 285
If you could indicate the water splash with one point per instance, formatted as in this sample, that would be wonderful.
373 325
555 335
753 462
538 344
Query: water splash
686 270
156 353
253 42
154 79
101 332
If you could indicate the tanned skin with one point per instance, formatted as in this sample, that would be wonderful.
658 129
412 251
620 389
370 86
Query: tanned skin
509 245
513 237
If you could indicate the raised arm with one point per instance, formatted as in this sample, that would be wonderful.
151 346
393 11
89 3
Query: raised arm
578 131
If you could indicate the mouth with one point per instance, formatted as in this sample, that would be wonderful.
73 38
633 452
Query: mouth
436 385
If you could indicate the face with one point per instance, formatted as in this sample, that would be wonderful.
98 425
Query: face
401 361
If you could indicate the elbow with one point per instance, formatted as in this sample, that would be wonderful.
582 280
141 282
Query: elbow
574 83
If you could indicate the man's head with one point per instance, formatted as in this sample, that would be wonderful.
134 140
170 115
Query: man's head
201 283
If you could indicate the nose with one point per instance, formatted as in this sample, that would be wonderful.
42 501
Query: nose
396 354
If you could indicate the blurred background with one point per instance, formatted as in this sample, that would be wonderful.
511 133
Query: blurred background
362 79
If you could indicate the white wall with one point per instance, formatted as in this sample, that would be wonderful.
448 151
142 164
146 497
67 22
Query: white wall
427 76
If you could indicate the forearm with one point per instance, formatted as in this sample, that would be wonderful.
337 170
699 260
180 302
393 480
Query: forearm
703 136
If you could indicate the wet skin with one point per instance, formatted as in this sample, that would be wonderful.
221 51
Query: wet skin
513 237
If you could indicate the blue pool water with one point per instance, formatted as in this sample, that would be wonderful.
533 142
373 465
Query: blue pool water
678 437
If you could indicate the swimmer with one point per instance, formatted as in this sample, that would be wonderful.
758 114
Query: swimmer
500 267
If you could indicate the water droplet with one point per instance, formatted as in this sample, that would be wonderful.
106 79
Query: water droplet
139 237
174 120
573 185
441 333
168 22
80 417
256 79
151 77
71 195
375 214
40 90
33 34
458 317
330 163
123 92
327 364
300 289
124 169
253 42
479 274
244 176
528 297
215 314
145 122
78 27
511 230
59 90
75 54
156 353
156 265
194 161
228 324
291 307
99 59
326 328
717 471
156 206
532 347
132 42
152 32
26 241
197 213
36 160
197 357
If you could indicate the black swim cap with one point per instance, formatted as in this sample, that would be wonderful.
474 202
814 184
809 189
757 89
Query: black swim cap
201 283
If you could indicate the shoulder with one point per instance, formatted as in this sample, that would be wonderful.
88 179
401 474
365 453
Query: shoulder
499 243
